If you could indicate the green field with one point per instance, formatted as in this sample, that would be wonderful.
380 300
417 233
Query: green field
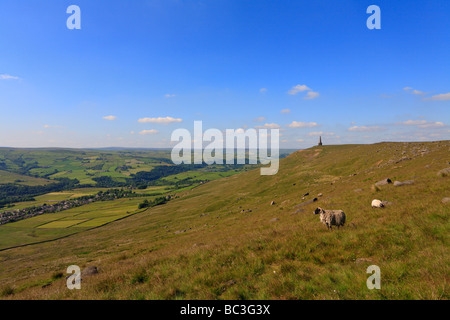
199 175
11 177
54 225
55 197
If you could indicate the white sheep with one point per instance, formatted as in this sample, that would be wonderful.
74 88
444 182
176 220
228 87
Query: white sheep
331 218
377 204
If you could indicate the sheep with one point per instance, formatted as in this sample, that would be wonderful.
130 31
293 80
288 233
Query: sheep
377 204
331 218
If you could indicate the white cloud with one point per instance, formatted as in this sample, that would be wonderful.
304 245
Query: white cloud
418 92
439 97
263 90
110 118
311 95
259 119
8 77
286 111
302 87
300 140
298 88
321 133
412 122
365 128
47 126
422 123
296 124
269 126
432 125
414 91
145 132
160 120
169 95
131 132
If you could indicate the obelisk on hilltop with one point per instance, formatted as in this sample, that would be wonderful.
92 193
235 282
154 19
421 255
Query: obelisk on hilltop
320 141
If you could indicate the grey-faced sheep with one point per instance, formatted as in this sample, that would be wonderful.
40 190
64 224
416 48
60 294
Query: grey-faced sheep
331 218
377 204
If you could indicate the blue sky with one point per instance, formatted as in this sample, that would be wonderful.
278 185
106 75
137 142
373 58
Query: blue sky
308 67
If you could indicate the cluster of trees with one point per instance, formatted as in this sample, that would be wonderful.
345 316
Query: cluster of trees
158 201
10 193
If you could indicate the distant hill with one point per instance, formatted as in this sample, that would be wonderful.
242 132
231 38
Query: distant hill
225 240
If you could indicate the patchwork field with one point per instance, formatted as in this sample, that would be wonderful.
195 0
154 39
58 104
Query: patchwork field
54 225
52 197
83 165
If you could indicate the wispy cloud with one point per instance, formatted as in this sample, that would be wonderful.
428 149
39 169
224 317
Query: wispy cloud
147 132
47 126
365 128
259 119
412 122
8 77
437 124
285 111
416 92
439 97
263 90
296 124
110 118
311 95
422 123
321 133
169 95
269 126
160 120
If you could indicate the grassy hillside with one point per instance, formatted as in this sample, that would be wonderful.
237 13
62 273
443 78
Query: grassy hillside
11 177
224 239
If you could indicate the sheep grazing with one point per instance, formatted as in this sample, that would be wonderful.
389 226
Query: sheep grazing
331 218
377 204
